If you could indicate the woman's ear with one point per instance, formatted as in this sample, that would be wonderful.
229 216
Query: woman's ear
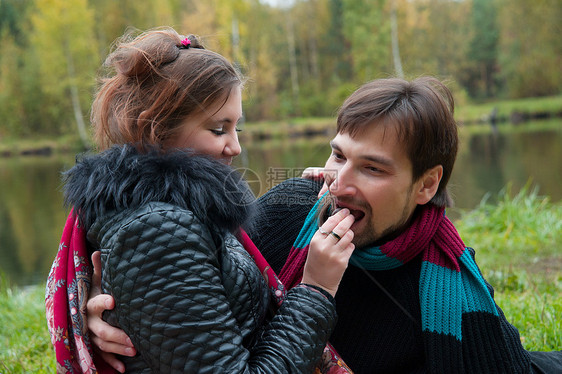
428 184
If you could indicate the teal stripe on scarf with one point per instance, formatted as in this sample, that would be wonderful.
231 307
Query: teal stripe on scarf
450 286
310 226
446 294
476 294
441 300
373 259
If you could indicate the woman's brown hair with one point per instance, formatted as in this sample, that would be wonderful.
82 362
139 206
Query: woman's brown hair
155 81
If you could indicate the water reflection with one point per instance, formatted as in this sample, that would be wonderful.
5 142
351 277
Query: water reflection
32 214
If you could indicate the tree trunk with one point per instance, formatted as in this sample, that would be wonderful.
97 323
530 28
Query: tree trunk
394 36
76 101
293 61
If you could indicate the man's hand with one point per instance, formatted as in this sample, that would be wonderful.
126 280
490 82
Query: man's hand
108 340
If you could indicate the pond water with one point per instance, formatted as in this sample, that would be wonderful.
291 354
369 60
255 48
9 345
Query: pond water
32 214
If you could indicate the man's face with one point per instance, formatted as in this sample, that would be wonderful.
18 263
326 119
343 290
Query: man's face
371 175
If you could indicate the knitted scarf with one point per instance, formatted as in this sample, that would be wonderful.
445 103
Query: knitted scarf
459 316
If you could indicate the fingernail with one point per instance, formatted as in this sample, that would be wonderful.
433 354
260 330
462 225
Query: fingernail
129 342
344 211
107 304
336 211
130 351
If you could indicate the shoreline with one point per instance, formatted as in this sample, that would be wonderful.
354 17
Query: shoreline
298 128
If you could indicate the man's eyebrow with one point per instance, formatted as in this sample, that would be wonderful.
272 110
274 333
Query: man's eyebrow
377 159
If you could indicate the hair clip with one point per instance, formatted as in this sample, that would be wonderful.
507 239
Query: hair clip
185 43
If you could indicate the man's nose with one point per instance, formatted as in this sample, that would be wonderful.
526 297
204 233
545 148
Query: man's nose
341 182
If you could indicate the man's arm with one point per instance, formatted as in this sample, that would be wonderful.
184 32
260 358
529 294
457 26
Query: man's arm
279 217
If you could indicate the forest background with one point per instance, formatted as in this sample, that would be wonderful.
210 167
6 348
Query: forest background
302 57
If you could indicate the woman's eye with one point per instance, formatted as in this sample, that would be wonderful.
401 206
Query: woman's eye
218 132
238 129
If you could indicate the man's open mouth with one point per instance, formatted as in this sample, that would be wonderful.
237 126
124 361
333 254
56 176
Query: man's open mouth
358 214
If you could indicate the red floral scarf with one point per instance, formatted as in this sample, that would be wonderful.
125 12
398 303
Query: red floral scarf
66 296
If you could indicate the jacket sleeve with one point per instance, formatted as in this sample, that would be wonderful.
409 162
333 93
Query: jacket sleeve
164 274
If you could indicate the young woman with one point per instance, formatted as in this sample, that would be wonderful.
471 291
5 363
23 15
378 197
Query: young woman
162 205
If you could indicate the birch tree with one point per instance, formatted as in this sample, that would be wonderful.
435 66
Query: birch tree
63 38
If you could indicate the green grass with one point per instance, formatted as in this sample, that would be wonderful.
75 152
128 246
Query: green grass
522 231
517 243
25 346
479 111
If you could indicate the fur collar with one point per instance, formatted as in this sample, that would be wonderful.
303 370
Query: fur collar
124 178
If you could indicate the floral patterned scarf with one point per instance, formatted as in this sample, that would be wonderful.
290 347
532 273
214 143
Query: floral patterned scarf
66 295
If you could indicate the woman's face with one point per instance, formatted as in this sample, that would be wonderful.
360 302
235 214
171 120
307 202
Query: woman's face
213 132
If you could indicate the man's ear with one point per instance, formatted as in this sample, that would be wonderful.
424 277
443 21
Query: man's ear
428 184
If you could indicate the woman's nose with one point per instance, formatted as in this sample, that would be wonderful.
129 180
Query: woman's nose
232 147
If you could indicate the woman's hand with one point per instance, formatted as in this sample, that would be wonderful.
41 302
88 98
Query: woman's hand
108 340
316 174
329 252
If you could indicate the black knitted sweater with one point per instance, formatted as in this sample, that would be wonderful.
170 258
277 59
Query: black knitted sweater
382 305
394 324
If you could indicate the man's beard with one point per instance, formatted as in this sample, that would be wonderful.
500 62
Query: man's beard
372 238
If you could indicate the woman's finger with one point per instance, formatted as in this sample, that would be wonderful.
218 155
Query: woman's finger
333 220
337 225
342 227
97 304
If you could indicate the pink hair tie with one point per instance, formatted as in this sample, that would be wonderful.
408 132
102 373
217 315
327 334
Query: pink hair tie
186 43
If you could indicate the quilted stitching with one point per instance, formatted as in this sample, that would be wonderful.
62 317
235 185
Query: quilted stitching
189 306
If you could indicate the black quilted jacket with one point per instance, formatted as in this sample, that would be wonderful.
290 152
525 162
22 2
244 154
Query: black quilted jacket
187 293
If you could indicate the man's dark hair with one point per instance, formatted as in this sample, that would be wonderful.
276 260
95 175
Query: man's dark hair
422 112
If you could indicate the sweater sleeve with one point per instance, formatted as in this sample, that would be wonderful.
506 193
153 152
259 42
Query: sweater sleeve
280 214
164 274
